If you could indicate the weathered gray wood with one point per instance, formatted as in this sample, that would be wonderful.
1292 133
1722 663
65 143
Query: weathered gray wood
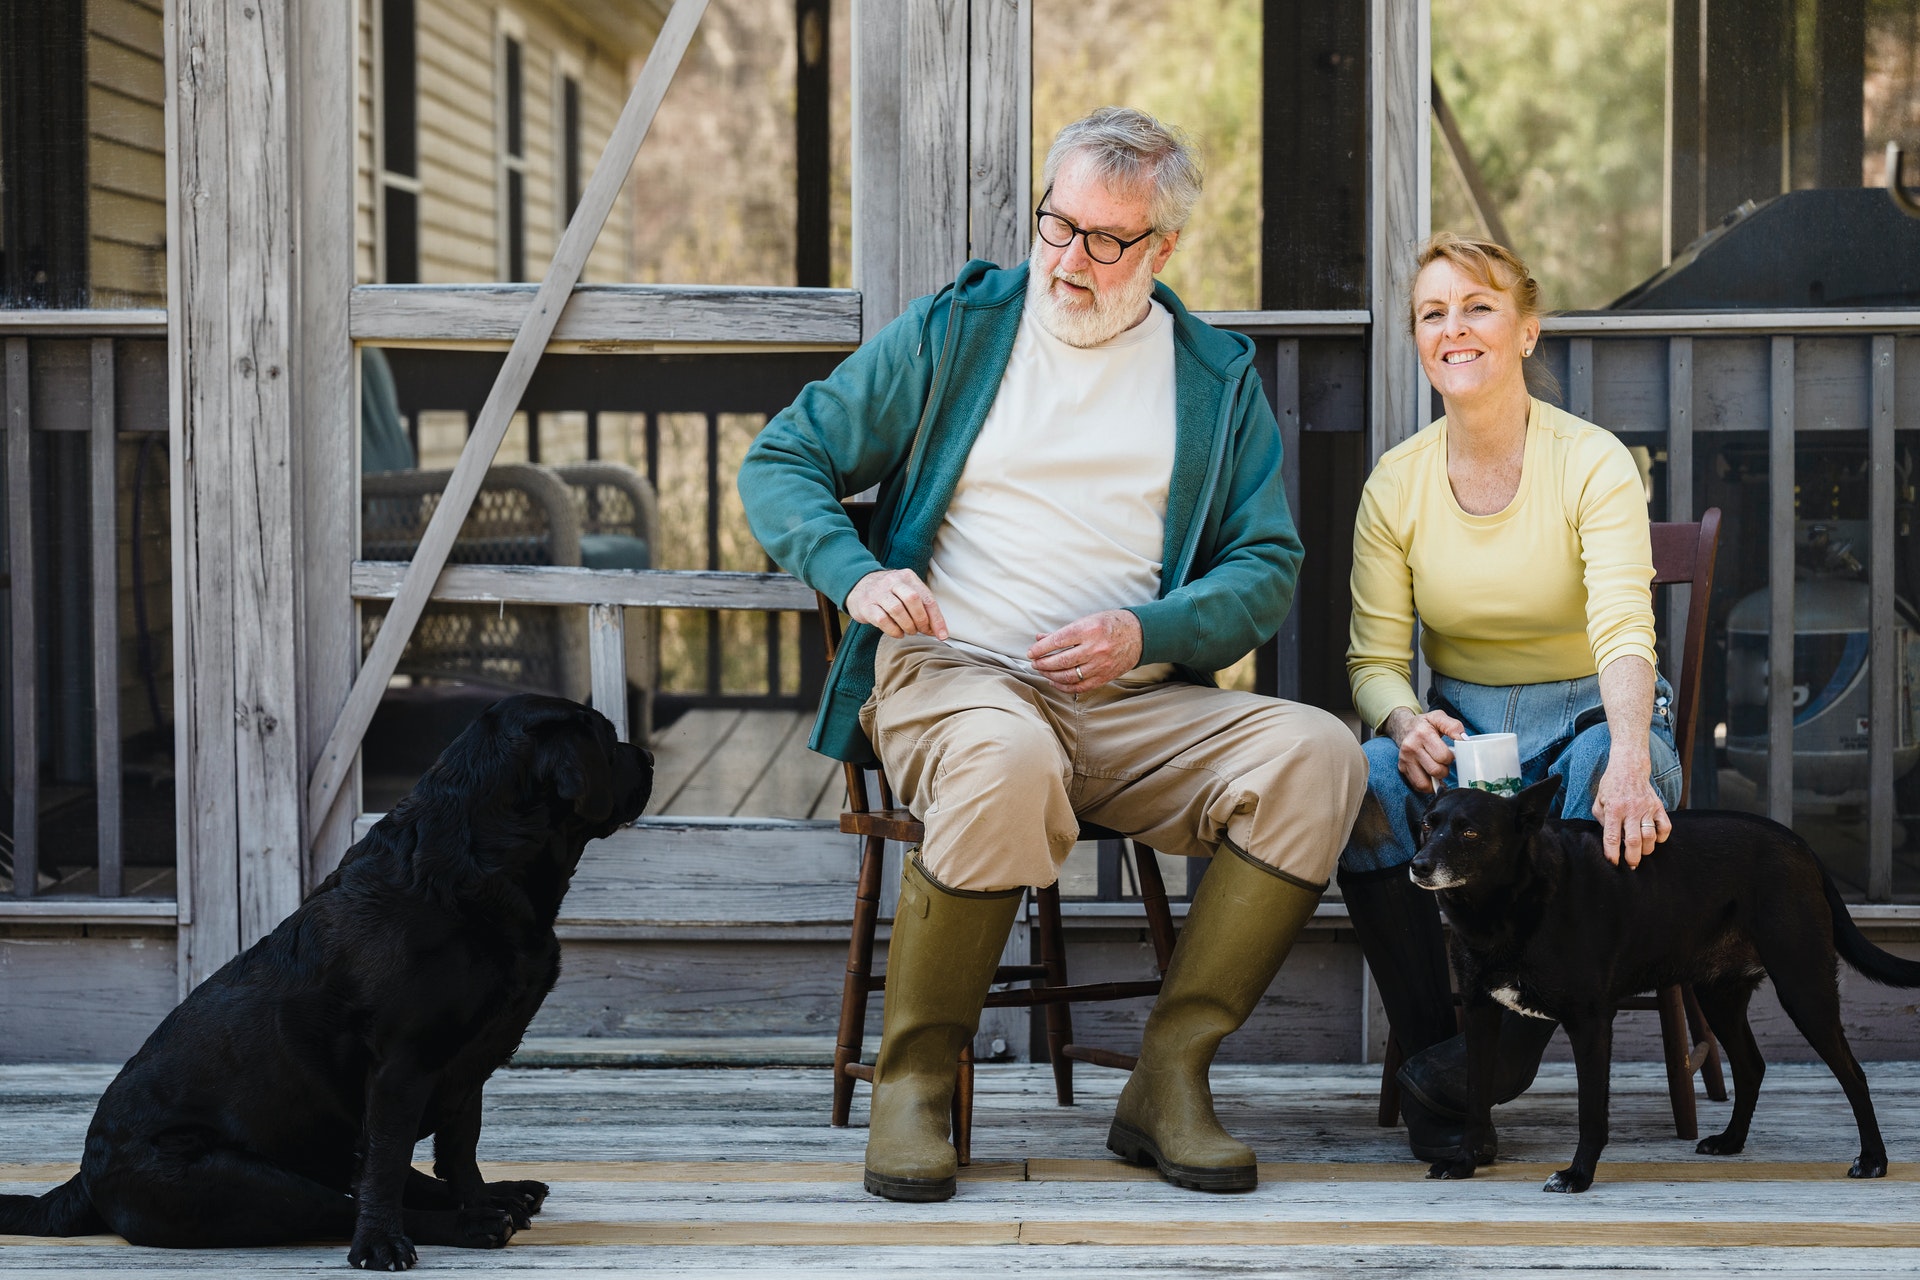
1000 130
124 910
257 294
1293 324
1580 378
1732 382
556 584
796 781
878 26
933 145
1721 322
1780 579
609 317
1400 82
74 996
61 371
719 785
25 684
722 871
1831 387
1286 399
1630 384
102 458
325 402
609 176
1679 479
1883 724
683 751
83 323
607 661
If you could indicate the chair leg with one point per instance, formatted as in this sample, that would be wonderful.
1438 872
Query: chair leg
1678 1048
1390 1086
963 1107
859 980
1702 1034
1153 896
1053 956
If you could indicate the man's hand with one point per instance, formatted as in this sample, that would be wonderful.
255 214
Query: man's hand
1086 654
897 602
1425 758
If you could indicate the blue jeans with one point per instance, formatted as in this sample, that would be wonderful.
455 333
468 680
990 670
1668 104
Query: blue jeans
1563 733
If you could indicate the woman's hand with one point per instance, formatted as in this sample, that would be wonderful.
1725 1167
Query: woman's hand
1425 757
1629 811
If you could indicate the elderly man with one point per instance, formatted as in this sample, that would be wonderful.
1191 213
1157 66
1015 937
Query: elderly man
1081 517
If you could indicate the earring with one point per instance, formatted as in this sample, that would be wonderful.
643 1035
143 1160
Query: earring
1527 352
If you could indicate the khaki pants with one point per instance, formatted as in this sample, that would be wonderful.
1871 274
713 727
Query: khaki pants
1000 767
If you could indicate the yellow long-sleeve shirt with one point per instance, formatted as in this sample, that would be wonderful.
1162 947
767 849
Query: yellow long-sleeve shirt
1554 587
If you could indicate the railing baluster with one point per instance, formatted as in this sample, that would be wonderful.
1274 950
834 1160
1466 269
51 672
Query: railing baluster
1680 499
1286 395
106 620
1780 468
1883 715
1580 378
26 708
607 661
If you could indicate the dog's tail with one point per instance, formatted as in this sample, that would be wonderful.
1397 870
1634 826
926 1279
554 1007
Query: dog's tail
63 1211
1871 961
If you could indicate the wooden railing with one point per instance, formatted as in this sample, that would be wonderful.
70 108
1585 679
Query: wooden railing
71 372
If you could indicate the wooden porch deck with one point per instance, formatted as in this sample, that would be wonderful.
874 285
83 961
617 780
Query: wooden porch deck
715 1172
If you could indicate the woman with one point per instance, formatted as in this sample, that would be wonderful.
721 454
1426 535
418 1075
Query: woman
1518 534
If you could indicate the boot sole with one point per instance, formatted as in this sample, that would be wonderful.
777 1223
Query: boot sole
912 1190
1137 1148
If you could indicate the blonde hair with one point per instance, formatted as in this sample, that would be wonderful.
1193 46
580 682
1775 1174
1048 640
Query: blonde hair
1497 267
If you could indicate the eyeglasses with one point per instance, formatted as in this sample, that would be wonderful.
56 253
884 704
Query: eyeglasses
1102 247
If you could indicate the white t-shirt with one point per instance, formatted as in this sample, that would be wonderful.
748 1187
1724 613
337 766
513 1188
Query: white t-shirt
1061 509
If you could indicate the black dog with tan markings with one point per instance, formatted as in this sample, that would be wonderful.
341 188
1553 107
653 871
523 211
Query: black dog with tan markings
1544 925
281 1101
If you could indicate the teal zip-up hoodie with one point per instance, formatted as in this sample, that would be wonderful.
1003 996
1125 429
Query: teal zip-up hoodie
902 413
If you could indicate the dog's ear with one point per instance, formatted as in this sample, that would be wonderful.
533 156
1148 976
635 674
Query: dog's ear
1417 805
1534 805
571 760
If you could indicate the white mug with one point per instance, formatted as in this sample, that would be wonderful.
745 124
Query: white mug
1488 762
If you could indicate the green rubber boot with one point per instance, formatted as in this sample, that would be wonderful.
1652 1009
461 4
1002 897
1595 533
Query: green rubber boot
1240 927
946 945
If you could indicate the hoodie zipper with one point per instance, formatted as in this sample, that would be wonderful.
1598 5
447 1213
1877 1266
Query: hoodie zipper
1191 543
917 451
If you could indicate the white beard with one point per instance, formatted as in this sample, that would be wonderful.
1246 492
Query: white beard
1100 318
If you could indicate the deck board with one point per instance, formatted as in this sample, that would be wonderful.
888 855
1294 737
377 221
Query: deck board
680 1171
744 764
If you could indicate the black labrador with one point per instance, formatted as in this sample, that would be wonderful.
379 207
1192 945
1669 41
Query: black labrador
1544 925
282 1099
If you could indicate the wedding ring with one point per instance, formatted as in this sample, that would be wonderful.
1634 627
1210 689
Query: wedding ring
1646 823
1079 675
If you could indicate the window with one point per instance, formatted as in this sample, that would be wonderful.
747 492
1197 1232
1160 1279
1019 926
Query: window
512 141
399 144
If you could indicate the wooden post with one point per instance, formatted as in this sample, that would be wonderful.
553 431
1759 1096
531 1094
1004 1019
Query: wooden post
1780 577
877 231
231 296
1402 208
24 675
1000 131
343 743
1883 711
103 455
607 659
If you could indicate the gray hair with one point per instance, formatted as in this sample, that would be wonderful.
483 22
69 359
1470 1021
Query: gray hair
1126 147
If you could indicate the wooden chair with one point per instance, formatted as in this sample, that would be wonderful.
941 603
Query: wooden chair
1683 553
872 815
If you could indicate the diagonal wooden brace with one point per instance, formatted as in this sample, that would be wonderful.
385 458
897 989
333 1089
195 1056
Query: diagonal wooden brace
336 760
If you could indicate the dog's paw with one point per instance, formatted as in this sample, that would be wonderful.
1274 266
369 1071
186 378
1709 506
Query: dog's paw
382 1251
1570 1181
528 1196
484 1229
1453 1169
1720 1144
517 1208
1869 1167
